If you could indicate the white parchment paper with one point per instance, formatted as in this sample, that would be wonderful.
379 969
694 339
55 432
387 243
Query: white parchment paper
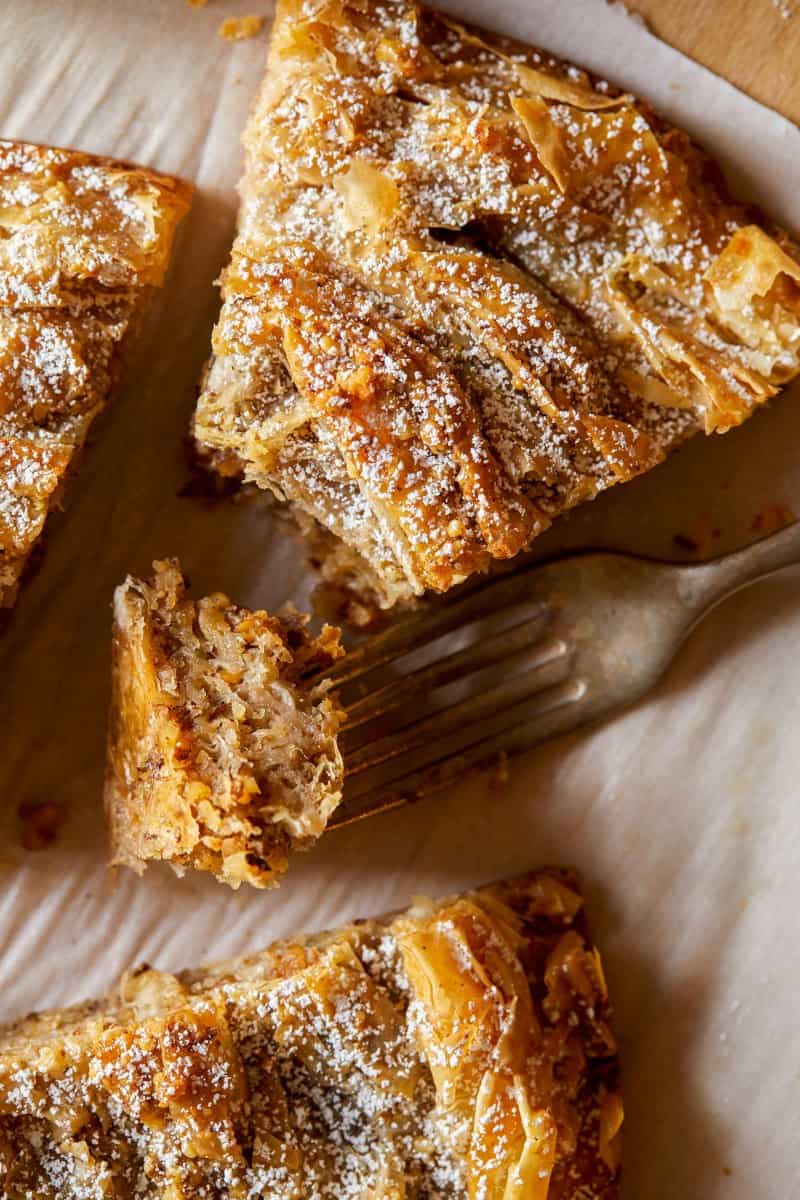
682 814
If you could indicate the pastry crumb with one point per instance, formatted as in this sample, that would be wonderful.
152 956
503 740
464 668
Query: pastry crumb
499 776
236 29
700 538
330 602
771 518
40 824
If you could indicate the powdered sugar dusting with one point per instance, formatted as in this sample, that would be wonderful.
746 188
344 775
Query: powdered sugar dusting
376 1061
524 223
83 240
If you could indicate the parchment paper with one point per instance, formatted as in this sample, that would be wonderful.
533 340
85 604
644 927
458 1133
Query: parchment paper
681 814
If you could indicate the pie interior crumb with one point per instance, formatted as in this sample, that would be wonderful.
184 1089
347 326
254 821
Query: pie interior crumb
222 752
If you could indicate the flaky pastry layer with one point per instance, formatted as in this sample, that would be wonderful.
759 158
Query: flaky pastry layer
472 287
222 751
83 242
459 1051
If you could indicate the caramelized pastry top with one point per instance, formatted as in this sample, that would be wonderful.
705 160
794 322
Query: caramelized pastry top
460 1051
82 241
471 287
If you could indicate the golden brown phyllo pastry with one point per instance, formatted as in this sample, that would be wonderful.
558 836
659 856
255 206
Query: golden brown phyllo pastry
221 755
83 242
472 286
459 1051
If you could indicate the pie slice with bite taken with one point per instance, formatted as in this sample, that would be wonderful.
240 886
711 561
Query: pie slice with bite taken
222 749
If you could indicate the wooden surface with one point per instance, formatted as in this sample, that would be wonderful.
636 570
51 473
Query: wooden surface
753 43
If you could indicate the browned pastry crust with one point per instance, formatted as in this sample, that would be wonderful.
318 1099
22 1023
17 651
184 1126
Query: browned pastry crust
472 287
83 242
221 755
459 1051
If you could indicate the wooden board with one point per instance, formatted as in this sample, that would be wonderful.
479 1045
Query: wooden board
753 43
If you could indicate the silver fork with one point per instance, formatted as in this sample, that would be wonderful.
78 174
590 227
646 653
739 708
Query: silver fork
552 647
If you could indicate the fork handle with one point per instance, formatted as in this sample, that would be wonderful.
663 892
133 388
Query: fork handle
707 584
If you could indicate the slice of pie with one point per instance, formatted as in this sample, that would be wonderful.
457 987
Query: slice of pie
83 242
222 752
471 287
459 1051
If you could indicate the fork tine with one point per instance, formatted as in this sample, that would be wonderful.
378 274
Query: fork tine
462 713
441 618
549 714
445 670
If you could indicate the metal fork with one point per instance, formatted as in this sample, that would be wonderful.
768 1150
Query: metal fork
539 652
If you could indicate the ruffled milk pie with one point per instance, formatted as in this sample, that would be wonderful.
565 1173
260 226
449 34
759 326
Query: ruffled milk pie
459 1051
472 286
83 242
